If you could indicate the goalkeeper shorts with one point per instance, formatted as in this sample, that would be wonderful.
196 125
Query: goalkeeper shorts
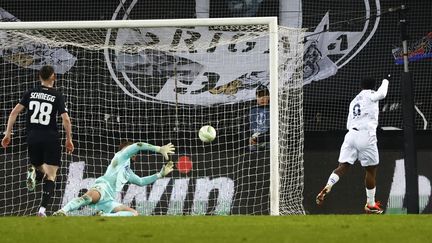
106 202
105 206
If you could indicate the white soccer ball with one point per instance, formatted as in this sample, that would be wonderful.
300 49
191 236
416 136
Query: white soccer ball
207 134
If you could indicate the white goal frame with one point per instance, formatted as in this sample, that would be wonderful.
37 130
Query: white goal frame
271 22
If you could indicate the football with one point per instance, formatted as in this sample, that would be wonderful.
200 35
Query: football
207 134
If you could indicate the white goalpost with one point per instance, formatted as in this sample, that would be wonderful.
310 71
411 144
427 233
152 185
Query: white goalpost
159 81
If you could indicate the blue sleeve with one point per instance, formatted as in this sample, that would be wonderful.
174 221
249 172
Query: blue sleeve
133 149
142 181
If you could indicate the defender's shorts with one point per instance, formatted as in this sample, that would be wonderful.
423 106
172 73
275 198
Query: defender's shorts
45 152
359 145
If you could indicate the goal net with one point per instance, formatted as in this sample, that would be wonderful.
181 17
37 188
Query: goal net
160 81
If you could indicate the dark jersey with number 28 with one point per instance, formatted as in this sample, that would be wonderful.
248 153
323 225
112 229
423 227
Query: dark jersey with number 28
43 104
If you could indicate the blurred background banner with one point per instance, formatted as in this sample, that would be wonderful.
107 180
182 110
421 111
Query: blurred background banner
344 42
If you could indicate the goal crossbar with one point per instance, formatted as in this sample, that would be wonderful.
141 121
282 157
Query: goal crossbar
270 21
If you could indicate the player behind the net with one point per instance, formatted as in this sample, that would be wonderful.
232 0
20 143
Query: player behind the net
102 194
360 142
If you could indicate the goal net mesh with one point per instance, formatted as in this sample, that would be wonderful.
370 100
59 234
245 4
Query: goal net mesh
161 85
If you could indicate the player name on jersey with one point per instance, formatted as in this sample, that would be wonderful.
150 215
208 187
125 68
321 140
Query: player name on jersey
42 96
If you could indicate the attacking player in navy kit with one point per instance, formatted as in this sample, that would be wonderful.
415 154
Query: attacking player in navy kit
360 142
43 104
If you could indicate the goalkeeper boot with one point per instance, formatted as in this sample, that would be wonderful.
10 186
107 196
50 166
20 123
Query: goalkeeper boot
59 213
98 213
31 178
320 197
40 214
376 209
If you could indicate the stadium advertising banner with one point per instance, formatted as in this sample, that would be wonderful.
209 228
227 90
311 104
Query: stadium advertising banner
188 61
233 191
34 54
232 187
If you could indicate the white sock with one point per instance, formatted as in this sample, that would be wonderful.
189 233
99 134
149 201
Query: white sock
42 210
370 195
333 179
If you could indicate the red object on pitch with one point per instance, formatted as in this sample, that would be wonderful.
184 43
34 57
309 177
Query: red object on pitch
184 164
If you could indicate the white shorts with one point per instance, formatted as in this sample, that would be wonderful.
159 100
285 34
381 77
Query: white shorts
359 145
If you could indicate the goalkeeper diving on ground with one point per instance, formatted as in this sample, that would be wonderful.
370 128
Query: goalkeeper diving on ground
101 196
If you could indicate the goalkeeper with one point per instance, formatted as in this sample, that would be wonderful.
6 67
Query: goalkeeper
102 194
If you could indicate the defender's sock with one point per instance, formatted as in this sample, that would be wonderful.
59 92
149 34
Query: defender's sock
333 179
370 195
48 192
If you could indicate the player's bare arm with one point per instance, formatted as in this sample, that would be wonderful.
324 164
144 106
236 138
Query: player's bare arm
11 121
67 124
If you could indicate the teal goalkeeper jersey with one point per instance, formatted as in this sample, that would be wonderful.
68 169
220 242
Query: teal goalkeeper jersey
119 172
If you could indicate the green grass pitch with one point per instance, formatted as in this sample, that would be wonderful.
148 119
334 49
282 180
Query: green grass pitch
188 229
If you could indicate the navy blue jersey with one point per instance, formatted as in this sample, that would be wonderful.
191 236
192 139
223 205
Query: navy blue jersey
259 119
43 104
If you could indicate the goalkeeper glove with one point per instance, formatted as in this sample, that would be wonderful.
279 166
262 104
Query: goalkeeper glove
166 150
166 169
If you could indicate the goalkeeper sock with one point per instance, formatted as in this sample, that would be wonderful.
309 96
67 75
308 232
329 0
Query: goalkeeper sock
333 179
370 195
119 214
48 191
77 203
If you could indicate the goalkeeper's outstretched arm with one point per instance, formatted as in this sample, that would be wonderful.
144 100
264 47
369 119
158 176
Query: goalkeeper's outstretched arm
142 181
133 149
